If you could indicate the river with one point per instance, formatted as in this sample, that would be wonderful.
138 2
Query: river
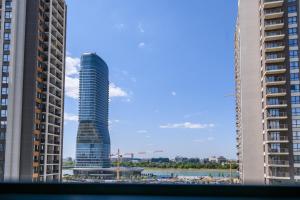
180 172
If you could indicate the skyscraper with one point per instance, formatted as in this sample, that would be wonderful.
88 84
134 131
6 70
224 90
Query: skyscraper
32 57
268 91
93 141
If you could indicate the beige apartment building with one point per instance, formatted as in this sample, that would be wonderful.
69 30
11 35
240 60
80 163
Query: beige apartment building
32 64
268 91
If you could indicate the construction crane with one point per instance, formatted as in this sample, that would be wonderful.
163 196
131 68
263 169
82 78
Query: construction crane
120 156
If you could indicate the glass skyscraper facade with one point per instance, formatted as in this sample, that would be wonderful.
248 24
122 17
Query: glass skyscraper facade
93 141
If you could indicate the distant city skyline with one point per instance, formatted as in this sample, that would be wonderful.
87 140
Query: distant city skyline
170 85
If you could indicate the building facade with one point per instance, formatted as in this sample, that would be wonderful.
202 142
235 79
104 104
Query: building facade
32 57
93 141
268 91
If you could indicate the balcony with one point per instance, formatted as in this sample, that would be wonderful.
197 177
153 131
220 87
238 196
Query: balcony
274 24
274 35
279 163
274 13
279 151
276 93
280 127
275 69
275 81
281 115
273 3
275 59
278 103
281 139
279 175
274 47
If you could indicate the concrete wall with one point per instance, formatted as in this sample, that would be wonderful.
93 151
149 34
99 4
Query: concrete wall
251 106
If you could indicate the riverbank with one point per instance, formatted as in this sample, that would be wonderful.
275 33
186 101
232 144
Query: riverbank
168 172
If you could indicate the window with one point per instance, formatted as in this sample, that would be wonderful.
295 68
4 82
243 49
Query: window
295 88
296 111
296 147
296 123
273 101
297 159
6 58
7 25
3 124
8 15
294 76
6 47
292 20
5 68
4 102
295 99
293 42
293 31
2 135
294 54
4 91
296 135
7 36
291 1
5 79
8 4
3 113
273 113
294 65
292 9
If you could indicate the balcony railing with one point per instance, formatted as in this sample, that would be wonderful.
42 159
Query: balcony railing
280 114
276 102
274 33
281 90
273 11
279 162
279 174
273 22
275 67
274 45
281 138
275 79
272 3
274 56
279 150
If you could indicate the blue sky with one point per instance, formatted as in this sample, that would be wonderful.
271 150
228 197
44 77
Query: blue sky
171 68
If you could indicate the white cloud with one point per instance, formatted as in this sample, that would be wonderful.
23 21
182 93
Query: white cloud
115 91
142 131
141 29
72 87
72 66
188 125
173 93
72 77
141 45
210 138
72 81
70 117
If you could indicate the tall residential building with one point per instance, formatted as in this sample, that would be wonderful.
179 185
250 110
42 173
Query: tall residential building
268 91
93 141
32 57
